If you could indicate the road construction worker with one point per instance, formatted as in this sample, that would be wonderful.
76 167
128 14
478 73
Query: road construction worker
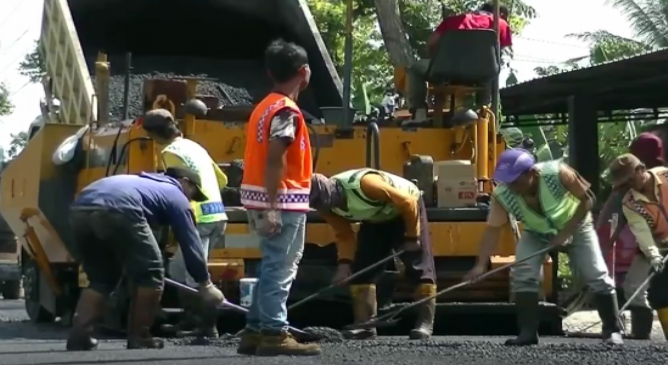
275 190
417 73
648 148
644 207
210 215
111 221
392 216
553 202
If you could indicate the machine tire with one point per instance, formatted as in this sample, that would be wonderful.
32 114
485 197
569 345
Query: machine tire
11 289
31 277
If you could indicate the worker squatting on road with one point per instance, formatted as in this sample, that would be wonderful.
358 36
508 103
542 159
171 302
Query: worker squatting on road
392 216
553 203
210 215
111 221
644 207
275 191
648 148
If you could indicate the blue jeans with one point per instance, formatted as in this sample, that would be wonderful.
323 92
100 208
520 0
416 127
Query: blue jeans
281 252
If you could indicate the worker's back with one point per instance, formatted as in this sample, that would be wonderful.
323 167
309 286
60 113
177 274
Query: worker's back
152 196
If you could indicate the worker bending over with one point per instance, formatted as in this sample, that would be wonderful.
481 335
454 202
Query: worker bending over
210 215
112 220
417 73
644 206
392 216
275 191
553 203
648 148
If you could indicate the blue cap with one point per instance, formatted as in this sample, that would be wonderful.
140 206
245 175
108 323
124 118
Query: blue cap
513 163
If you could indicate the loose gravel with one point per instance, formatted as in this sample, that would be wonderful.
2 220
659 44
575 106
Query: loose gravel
235 82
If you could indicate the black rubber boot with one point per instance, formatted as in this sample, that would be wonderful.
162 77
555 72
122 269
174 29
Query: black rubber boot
424 325
608 310
143 309
526 305
89 309
642 320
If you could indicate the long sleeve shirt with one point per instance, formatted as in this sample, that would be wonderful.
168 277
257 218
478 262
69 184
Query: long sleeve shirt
376 188
159 200
638 225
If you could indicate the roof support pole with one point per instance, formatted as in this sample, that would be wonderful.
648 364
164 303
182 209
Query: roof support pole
583 139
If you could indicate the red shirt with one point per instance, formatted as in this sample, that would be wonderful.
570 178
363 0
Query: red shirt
477 20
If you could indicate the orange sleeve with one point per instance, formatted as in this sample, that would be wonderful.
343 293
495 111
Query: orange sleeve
346 241
376 188
498 216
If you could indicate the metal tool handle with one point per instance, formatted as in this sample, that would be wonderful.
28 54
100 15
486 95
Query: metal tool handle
391 316
346 280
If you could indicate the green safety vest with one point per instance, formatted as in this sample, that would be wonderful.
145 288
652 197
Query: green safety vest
197 159
362 208
558 204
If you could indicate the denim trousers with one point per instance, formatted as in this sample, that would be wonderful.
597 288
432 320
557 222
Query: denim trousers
281 252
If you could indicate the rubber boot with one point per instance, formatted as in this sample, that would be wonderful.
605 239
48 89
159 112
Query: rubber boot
424 326
284 344
608 310
364 308
143 310
663 319
250 340
89 309
642 320
526 306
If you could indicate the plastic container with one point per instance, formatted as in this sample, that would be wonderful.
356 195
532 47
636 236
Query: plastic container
246 287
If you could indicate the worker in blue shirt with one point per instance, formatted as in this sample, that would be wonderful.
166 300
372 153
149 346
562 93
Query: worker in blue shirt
112 220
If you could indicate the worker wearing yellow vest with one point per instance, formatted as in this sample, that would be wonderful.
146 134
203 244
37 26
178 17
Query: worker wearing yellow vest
392 216
275 191
210 215
553 203
644 206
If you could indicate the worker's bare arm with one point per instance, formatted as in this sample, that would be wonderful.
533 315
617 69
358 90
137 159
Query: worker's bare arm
496 219
579 188
281 135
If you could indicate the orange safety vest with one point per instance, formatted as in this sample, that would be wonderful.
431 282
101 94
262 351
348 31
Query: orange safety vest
295 186
655 214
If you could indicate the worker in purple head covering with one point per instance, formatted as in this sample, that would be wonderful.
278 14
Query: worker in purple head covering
553 203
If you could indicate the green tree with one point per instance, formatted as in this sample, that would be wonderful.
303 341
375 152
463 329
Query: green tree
18 142
33 65
390 32
6 106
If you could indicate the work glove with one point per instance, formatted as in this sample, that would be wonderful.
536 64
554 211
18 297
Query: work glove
411 244
657 263
210 294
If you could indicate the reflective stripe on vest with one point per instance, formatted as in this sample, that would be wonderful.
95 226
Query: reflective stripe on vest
362 208
557 203
295 186
655 214
198 159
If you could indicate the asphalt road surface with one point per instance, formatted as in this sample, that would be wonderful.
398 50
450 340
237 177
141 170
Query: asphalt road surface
23 343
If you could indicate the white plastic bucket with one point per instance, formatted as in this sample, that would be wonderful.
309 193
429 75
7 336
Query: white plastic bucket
246 287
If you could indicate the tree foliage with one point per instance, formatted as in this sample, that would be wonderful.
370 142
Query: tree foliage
372 70
18 142
6 106
33 65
